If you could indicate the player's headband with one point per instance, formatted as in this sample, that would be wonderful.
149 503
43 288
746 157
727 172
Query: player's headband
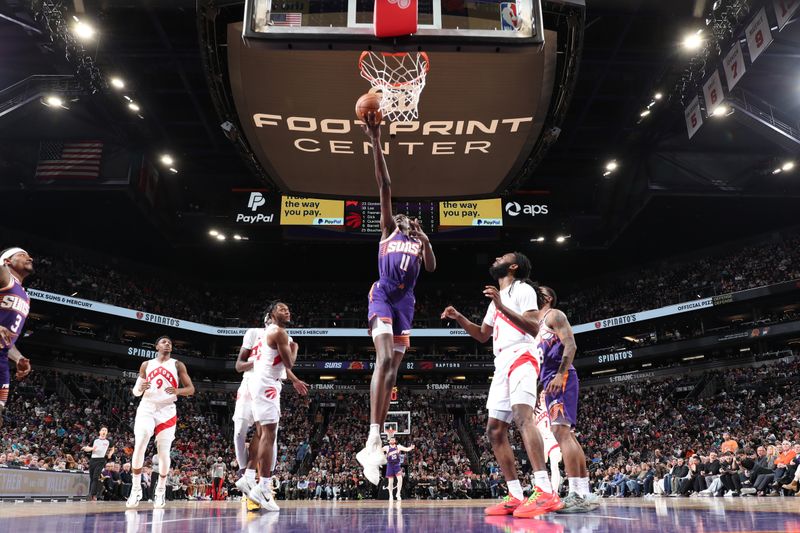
10 253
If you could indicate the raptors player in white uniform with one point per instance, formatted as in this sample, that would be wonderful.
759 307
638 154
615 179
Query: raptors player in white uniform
276 355
159 386
552 451
512 322
252 344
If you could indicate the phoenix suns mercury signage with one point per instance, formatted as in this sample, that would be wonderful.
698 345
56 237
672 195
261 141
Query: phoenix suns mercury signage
474 132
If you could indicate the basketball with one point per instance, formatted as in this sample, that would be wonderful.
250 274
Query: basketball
368 102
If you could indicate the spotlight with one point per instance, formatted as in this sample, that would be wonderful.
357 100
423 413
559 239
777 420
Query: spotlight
133 107
644 113
693 41
612 165
213 232
173 170
220 237
658 96
83 31
167 159
560 239
237 237
53 101
721 111
606 173
789 165
777 171
117 83
538 239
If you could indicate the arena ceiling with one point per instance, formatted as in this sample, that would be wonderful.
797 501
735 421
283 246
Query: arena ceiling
668 194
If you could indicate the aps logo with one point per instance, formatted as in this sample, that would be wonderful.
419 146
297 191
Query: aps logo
514 209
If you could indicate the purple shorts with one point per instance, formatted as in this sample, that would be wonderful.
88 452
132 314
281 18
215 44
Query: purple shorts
563 406
5 375
393 306
392 469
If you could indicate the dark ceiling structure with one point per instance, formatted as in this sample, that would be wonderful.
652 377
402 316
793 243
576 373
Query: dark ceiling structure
669 193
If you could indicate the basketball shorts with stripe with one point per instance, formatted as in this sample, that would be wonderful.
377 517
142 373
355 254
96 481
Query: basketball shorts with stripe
514 382
158 420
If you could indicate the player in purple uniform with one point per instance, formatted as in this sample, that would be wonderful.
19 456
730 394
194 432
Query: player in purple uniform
15 266
556 344
394 466
403 249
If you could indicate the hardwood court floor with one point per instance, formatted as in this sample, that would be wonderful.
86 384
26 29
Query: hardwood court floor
664 515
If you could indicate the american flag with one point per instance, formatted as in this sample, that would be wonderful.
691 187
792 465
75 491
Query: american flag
69 160
286 19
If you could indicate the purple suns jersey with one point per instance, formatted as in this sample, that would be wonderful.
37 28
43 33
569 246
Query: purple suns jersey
14 308
399 260
549 346
393 455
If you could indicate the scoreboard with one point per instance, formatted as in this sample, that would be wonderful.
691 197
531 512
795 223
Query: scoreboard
365 217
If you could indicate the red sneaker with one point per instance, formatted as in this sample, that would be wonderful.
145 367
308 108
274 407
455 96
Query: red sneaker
507 505
538 503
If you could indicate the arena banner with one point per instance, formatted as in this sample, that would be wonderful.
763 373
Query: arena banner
27 483
685 307
296 211
641 316
471 213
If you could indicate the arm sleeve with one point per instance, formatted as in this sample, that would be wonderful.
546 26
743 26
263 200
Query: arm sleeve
526 297
137 390
488 319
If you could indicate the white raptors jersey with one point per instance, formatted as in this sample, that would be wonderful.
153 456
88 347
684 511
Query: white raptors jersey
267 366
161 375
519 297
252 341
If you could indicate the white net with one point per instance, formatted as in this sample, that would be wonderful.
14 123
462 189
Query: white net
399 78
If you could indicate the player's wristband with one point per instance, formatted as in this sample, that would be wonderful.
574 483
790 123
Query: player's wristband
137 387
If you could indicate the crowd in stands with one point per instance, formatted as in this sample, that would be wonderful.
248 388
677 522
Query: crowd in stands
345 304
732 431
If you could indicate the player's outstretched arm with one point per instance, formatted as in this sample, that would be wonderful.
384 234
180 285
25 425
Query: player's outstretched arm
183 376
404 449
480 333
428 257
557 321
372 127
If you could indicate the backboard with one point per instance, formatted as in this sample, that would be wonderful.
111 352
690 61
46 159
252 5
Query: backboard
294 76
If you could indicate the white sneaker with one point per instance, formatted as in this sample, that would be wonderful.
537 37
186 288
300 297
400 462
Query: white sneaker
391 497
134 498
266 501
160 498
399 497
371 463
245 485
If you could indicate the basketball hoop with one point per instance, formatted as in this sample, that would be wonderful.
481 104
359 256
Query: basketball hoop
390 432
399 78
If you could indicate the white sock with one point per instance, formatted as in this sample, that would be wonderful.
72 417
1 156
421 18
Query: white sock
374 433
265 485
250 475
583 486
573 485
542 480
515 489
162 482
137 481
